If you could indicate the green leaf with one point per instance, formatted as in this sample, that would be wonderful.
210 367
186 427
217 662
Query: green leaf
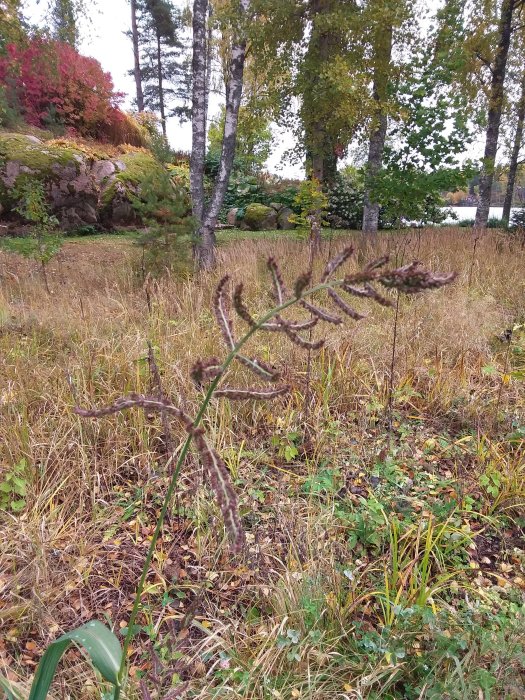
18 505
10 691
100 643
20 486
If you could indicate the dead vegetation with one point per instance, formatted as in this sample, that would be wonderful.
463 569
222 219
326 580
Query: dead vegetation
349 524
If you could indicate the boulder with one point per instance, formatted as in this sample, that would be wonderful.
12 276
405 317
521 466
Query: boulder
283 219
82 188
259 217
103 169
231 217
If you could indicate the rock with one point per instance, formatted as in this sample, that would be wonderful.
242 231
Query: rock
276 206
283 219
231 217
82 188
259 217
103 169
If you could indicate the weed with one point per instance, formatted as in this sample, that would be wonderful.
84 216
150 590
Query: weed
95 489
45 241
409 279
13 487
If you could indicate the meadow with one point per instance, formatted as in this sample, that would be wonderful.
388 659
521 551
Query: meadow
382 499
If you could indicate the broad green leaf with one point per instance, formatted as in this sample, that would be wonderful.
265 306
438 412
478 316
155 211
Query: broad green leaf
100 643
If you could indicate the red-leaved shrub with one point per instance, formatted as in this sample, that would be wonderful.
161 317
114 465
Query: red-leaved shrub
53 85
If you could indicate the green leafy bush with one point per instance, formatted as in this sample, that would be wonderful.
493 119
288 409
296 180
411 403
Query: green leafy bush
517 219
345 202
312 203
243 190
496 222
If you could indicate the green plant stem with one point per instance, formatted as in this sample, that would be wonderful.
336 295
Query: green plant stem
180 461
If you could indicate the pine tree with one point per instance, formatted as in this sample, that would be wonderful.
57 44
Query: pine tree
134 34
64 21
11 22
163 61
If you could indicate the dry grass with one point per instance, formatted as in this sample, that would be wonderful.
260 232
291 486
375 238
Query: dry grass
76 549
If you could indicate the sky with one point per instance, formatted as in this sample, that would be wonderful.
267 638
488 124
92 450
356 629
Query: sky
104 39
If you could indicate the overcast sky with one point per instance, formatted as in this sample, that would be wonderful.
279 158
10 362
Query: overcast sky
105 40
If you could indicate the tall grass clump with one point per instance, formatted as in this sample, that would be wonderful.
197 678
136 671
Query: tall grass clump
212 377
376 563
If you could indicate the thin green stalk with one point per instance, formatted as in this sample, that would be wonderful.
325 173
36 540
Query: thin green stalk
174 479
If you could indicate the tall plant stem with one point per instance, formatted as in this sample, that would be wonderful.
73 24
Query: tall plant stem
503 378
180 461
392 367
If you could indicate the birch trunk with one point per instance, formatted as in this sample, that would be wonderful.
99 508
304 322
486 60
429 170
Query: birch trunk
136 56
496 95
198 111
513 165
205 253
209 57
382 60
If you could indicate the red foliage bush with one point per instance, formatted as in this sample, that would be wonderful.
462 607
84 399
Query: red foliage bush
52 84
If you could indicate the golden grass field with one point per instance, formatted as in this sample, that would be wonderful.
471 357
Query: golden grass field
382 561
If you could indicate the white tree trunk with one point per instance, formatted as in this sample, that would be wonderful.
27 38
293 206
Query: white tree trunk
513 165
205 253
383 44
496 96
198 112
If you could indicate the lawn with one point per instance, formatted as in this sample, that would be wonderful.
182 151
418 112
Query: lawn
382 500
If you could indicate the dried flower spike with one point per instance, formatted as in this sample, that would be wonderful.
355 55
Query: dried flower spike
220 307
221 485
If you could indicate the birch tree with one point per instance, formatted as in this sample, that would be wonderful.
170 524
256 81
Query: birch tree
514 156
509 11
381 19
206 216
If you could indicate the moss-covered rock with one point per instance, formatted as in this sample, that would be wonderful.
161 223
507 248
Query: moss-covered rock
42 158
119 189
83 186
259 217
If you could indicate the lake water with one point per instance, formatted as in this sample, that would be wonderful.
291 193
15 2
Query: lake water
464 213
